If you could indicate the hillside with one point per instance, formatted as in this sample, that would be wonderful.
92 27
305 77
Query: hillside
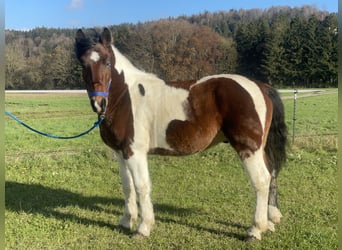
282 46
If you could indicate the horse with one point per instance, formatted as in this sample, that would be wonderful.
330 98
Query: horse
142 114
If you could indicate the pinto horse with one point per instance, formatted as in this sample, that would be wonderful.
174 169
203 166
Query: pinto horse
145 115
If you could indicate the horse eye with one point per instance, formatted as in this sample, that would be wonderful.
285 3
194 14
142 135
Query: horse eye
107 63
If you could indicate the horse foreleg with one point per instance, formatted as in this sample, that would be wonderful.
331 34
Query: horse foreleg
137 165
260 179
130 215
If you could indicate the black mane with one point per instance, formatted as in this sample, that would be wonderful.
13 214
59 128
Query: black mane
82 45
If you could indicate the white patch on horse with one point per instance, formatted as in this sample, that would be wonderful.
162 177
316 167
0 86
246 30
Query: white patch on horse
94 56
251 87
97 106
138 167
260 178
160 105
152 112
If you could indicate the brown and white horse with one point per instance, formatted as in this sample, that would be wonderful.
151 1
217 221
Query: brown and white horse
144 115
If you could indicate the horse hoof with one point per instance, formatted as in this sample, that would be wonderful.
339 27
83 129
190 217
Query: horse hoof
274 214
138 236
124 230
251 238
254 232
271 226
123 227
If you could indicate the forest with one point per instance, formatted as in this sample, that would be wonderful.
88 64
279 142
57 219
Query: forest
285 47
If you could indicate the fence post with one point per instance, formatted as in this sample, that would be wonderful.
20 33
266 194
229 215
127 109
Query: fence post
295 91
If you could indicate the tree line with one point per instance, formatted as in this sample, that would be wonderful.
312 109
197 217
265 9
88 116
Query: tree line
283 46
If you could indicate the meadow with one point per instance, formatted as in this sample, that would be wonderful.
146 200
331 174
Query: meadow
66 194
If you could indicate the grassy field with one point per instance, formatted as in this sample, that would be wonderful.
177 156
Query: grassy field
66 194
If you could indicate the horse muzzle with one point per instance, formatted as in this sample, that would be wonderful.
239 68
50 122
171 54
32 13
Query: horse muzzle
99 104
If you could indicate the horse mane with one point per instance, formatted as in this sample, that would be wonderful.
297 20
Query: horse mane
123 63
86 43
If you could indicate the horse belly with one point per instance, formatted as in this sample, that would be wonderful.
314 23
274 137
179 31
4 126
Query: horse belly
187 145
183 136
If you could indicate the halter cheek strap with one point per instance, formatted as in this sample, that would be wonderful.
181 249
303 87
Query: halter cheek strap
104 94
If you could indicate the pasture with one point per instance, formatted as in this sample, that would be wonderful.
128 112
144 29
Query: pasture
66 194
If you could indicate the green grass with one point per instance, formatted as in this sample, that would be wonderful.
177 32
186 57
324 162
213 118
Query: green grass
67 194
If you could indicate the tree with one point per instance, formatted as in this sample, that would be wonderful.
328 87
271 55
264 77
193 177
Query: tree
251 40
326 37
273 64
178 50
280 45
15 66
293 53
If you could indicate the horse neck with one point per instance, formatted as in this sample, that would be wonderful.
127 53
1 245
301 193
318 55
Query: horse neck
118 87
117 94
122 63
130 71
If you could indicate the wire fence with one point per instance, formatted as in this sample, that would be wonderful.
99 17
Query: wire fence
297 93
308 93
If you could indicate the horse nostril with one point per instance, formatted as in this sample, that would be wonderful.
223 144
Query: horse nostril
103 104
98 106
93 106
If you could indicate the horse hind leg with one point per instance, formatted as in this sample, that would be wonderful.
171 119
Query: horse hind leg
257 171
274 213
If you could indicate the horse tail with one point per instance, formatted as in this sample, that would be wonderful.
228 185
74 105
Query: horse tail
277 135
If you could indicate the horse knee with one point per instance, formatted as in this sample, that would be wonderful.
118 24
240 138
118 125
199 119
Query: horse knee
143 189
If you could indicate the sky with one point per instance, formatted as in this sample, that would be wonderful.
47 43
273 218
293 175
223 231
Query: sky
29 14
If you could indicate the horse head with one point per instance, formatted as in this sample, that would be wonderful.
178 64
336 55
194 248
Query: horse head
96 57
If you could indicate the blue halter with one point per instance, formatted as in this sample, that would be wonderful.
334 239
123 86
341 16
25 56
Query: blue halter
104 94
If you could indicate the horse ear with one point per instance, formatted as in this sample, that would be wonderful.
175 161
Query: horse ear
106 37
79 35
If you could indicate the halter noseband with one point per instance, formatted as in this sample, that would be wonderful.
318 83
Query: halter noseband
104 94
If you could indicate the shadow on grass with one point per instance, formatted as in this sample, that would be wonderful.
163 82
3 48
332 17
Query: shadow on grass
182 213
39 199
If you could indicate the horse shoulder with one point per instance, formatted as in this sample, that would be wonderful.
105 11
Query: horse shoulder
154 105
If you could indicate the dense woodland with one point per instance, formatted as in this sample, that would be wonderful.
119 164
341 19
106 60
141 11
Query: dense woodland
283 46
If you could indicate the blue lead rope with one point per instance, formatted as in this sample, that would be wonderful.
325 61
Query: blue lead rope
96 124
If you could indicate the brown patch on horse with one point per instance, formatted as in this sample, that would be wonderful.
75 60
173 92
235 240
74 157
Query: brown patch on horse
241 123
117 130
214 106
204 121
93 72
